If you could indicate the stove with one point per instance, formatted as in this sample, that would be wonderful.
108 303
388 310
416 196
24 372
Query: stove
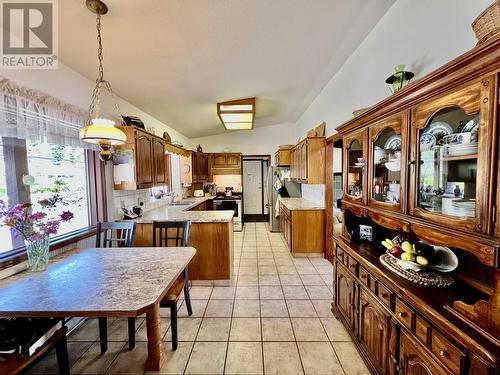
231 202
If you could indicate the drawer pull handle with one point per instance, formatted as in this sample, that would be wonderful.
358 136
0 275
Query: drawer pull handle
363 276
443 354
402 314
384 295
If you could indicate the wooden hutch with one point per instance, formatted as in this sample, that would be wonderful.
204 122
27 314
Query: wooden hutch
399 176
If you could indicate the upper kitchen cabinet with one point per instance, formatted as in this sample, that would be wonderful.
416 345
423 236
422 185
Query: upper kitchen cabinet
307 161
225 163
355 151
450 177
200 167
282 157
387 163
140 162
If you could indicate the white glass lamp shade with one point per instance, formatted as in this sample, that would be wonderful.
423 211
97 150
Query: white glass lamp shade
102 131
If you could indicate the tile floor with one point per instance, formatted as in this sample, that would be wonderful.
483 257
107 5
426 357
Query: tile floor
275 319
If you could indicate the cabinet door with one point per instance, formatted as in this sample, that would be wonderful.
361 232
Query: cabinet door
304 161
144 146
233 160
202 167
387 163
414 360
194 164
375 331
354 158
159 162
451 158
346 296
219 160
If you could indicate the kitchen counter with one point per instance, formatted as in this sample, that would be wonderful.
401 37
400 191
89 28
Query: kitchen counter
177 212
295 204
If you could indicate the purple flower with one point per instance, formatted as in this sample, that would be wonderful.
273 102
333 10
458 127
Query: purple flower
37 216
66 216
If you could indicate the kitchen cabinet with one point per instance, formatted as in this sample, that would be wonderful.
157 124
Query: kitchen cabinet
307 161
206 205
282 157
228 160
346 296
303 230
200 167
140 162
414 360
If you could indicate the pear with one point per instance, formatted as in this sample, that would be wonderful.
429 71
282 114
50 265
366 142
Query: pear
422 260
407 247
409 257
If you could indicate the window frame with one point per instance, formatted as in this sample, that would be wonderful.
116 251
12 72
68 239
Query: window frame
97 200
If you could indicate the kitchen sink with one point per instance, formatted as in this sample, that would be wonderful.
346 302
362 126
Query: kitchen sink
182 203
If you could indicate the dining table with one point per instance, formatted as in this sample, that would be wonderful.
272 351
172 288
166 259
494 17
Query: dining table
100 282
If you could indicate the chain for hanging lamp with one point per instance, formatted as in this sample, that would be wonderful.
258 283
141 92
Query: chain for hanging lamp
100 130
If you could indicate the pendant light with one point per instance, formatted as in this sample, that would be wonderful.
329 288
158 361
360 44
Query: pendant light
100 130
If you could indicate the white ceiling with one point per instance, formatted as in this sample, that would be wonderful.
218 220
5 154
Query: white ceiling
175 59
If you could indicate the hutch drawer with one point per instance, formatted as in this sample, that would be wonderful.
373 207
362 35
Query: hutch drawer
352 264
364 276
447 353
385 295
422 329
404 313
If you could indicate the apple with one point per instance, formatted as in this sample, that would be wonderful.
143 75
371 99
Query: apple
396 251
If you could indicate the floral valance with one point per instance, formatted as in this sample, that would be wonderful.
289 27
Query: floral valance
33 115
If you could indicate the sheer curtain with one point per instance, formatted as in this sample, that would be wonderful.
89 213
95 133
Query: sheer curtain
30 114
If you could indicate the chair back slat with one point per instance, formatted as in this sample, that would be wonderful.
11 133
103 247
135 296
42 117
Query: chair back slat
115 234
181 233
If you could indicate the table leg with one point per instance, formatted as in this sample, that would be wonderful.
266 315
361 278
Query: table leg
155 349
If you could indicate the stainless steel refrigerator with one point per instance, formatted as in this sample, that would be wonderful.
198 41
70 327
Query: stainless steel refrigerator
292 188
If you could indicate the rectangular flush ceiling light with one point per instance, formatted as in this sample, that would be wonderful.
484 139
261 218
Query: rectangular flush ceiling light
237 114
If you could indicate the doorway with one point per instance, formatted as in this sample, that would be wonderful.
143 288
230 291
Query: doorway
255 208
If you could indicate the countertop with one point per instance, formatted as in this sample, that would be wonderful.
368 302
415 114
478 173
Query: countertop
294 204
181 212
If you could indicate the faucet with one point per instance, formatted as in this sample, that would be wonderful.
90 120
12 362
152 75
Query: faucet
171 196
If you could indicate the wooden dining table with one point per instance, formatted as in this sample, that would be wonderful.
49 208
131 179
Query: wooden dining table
100 282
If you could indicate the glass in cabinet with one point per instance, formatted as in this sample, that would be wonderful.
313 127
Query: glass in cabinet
387 163
355 166
450 158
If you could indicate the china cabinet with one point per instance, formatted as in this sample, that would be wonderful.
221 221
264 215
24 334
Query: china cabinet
424 164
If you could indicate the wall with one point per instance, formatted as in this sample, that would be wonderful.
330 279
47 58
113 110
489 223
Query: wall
259 141
422 34
314 193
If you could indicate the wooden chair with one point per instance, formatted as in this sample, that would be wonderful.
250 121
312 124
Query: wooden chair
16 363
117 234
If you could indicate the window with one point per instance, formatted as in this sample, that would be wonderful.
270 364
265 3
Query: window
59 181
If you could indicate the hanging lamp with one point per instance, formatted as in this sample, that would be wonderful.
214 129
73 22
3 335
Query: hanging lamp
100 130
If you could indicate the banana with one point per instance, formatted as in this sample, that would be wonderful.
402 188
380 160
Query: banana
389 241
387 244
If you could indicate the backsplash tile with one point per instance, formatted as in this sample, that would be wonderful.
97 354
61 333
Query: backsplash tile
314 193
131 198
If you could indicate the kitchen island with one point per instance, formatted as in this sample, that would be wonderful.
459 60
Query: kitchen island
211 235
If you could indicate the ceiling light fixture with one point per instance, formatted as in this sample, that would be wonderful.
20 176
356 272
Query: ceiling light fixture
100 130
237 114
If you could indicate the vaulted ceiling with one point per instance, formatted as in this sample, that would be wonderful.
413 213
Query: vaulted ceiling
175 59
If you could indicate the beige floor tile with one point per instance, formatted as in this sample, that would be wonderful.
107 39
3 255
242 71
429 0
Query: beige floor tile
244 358
295 292
49 364
281 358
267 270
118 330
219 308
88 331
247 292
312 280
249 255
187 329
247 280
308 329
265 254
349 357
273 308
328 279
130 361
306 270
277 329
271 292
248 263
301 261
319 292
200 292
214 329
175 362
319 358
325 270
323 307
335 330
248 271
290 280
286 270
246 308
269 261
245 329
93 362
141 333
198 306
269 280
300 308
223 292
207 358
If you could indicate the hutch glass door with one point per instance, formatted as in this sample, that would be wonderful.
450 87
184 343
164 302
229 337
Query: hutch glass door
355 161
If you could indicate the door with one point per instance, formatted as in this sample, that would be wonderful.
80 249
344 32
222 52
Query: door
144 147
159 162
375 331
252 187
346 296
413 359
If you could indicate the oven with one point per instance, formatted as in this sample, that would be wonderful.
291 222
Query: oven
226 203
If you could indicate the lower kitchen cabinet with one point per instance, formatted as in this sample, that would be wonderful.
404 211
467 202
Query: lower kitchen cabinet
346 296
415 361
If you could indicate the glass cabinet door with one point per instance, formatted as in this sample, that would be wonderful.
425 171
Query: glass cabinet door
355 163
386 174
451 158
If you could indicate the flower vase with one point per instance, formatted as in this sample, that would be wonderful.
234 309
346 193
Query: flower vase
38 254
